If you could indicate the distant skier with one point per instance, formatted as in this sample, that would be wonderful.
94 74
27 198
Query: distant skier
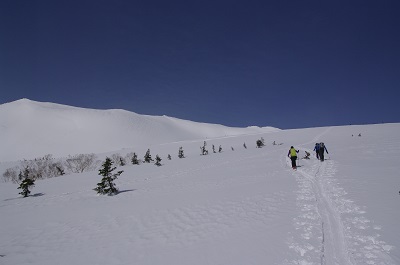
293 156
322 149
316 149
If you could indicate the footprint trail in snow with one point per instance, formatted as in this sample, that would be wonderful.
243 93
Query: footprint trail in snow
333 228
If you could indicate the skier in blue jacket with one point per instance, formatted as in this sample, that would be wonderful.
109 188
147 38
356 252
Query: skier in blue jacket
322 149
316 149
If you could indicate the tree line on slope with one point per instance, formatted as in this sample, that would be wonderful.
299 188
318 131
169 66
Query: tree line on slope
47 167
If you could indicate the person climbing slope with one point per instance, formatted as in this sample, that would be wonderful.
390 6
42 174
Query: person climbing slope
322 149
293 156
316 149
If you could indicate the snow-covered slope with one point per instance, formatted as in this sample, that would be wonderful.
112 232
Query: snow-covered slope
245 206
30 129
240 206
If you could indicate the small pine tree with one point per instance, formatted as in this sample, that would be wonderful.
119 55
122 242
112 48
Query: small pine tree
203 149
180 153
122 161
158 160
232 148
219 149
107 186
169 157
245 146
147 157
134 159
26 183
260 143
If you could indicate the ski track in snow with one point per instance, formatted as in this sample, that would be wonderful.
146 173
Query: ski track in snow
333 228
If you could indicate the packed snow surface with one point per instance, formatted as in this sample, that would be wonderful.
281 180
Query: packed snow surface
240 206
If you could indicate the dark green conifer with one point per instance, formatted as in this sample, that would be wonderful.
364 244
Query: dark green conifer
158 160
203 149
180 153
107 186
147 157
26 183
135 160
260 143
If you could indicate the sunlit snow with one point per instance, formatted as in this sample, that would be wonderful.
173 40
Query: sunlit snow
238 207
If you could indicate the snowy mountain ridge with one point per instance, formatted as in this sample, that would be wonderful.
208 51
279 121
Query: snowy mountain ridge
30 129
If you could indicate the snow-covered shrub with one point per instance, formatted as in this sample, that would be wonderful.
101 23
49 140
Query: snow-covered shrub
39 168
82 162
118 160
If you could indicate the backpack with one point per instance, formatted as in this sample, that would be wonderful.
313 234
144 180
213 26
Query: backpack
321 145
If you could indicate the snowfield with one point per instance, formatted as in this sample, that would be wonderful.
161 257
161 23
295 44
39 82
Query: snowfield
30 129
237 207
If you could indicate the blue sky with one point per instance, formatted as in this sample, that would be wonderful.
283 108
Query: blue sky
286 64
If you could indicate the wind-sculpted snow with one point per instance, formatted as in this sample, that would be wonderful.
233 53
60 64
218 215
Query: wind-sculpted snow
245 206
